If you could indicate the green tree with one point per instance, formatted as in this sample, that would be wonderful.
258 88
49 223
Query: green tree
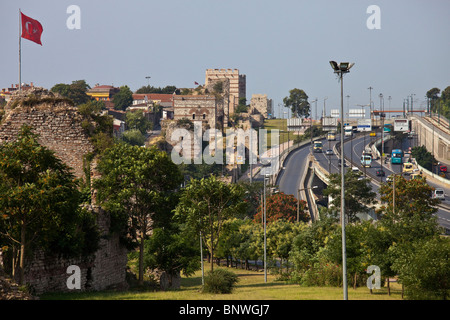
75 91
423 157
133 137
171 250
134 186
165 90
355 253
253 196
206 204
308 246
280 239
359 196
424 268
123 99
231 240
433 95
413 216
137 120
297 101
40 202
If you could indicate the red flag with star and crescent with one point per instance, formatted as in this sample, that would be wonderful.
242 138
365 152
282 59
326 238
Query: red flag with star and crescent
31 29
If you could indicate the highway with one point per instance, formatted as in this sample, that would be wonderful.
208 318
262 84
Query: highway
290 177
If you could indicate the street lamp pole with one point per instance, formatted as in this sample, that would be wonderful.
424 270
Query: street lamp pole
340 69
265 235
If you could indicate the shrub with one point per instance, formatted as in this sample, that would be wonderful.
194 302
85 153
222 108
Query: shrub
220 281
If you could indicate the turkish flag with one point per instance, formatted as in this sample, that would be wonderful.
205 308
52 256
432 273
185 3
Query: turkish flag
31 29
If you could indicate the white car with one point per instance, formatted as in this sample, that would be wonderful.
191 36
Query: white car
439 193
329 152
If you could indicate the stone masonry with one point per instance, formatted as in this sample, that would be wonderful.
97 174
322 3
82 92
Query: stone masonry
59 126
106 269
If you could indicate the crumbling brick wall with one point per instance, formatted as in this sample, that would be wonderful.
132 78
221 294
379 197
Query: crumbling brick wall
105 269
59 126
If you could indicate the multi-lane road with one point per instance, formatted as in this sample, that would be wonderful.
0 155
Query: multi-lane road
291 175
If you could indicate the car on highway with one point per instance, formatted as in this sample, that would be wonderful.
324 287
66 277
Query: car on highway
355 169
407 168
345 163
443 168
380 173
317 146
439 193
329 152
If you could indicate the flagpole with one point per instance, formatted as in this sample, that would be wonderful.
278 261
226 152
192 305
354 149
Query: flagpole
20 49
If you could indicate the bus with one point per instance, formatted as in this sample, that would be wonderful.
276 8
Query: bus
366 160
331 136
317 146
397 156
387 127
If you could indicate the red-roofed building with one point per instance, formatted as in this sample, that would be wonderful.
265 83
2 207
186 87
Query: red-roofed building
163 99
6 93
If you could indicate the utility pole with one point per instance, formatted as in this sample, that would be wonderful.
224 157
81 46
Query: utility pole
340 69
370 102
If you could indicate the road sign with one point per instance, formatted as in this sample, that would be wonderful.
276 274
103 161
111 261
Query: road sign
401 125
364 125
329 123
356 113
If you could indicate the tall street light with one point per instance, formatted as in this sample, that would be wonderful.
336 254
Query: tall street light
266 177
340 69
311 126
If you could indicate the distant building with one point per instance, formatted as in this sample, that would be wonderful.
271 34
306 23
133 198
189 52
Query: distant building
103 93
118 127
260 104
7 92
196 108
162 99
234 89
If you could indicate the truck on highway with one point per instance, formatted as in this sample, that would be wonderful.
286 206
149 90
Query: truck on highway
348 130
331 136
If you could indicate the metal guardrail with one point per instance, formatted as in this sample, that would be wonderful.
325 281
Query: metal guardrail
286 153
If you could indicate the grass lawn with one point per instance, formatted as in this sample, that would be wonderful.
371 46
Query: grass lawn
251 286
279 124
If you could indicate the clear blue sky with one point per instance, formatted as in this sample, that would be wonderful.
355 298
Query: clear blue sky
278 45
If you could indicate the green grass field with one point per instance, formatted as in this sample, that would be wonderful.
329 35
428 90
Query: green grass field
279 124
251 286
